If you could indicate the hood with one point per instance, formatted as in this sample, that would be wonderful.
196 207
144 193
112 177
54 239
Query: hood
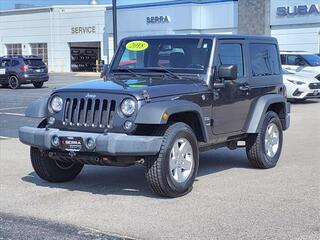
309 71
135 87
297 77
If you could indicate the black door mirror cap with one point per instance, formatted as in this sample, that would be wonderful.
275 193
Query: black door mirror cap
228 71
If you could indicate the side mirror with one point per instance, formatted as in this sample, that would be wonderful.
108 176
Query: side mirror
228 72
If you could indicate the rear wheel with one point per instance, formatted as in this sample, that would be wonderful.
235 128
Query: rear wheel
172 172
52 170
14 82
264 148
38 84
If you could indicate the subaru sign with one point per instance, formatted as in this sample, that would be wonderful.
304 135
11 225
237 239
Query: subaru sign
300 10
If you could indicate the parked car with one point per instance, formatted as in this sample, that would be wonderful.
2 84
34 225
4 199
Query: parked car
18 70
300 87
304 63
212 93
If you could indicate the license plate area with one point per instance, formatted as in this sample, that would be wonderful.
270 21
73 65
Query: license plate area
71 144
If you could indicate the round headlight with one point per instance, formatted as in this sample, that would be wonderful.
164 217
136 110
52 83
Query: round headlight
128 106
56 104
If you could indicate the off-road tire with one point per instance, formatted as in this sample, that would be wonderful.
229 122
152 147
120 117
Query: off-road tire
157 167
14 82
255 147
38 84
49 170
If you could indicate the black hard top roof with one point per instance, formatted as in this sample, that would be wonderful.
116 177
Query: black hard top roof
210 36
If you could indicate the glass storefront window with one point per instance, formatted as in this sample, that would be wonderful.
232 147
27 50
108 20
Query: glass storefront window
14 49
40 50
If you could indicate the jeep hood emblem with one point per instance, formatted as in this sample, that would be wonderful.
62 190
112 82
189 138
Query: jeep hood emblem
90 95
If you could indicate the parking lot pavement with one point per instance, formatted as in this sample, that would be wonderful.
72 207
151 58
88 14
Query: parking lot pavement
13 103
230 200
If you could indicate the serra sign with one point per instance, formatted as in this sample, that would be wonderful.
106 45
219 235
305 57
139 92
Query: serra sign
298 10
158 19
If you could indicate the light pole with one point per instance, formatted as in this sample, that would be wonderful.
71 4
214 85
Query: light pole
115 29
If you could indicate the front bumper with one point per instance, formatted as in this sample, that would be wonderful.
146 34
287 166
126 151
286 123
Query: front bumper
304 92
113 144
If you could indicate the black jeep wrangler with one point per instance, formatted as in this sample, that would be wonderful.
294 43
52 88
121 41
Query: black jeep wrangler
165 99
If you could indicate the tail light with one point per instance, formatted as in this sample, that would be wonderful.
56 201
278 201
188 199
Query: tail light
24 68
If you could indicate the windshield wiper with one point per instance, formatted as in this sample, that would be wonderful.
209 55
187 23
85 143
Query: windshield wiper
164 70
126 70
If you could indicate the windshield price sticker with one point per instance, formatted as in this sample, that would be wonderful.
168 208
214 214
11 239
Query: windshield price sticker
2 71
137 46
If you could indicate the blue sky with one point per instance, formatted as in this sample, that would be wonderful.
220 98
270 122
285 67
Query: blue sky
9 4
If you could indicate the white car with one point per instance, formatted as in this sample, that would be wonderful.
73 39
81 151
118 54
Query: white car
303 63
300 87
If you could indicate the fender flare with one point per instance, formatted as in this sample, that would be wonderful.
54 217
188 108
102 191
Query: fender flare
256 116
38 109
151 113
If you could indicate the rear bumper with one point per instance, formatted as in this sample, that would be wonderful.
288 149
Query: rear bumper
113 144
33 78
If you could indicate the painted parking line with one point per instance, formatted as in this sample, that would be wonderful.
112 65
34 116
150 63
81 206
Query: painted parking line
13 114
13 108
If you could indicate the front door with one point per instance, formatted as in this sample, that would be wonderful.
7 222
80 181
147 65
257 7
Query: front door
232 101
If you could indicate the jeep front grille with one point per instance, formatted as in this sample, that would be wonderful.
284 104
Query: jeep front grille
314 85
88 112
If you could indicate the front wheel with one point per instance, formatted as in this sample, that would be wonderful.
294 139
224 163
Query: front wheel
38 84
172 172
52 170
264 148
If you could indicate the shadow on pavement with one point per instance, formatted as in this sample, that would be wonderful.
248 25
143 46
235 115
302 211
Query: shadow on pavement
307 101
131 181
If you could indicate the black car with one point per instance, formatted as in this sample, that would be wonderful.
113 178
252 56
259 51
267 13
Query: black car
165 99
18 70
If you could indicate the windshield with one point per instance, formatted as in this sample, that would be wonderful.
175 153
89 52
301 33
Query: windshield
34 62
174 54
312 59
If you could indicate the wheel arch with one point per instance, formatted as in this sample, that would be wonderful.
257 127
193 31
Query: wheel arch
272 102
38 109
175 111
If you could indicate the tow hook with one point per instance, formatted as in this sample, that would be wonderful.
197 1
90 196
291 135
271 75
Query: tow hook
72 154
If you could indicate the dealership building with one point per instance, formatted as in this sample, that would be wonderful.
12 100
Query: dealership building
77 38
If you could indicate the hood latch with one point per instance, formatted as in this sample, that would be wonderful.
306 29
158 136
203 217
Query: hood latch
146 96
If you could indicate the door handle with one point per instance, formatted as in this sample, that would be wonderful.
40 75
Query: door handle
245 88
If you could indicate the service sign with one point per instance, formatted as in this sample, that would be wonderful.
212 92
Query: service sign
83 30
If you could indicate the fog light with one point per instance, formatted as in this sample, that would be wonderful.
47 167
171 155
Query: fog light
127 125
55 141
90 143
51 120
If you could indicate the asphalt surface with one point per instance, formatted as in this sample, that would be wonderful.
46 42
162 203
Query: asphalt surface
230 200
